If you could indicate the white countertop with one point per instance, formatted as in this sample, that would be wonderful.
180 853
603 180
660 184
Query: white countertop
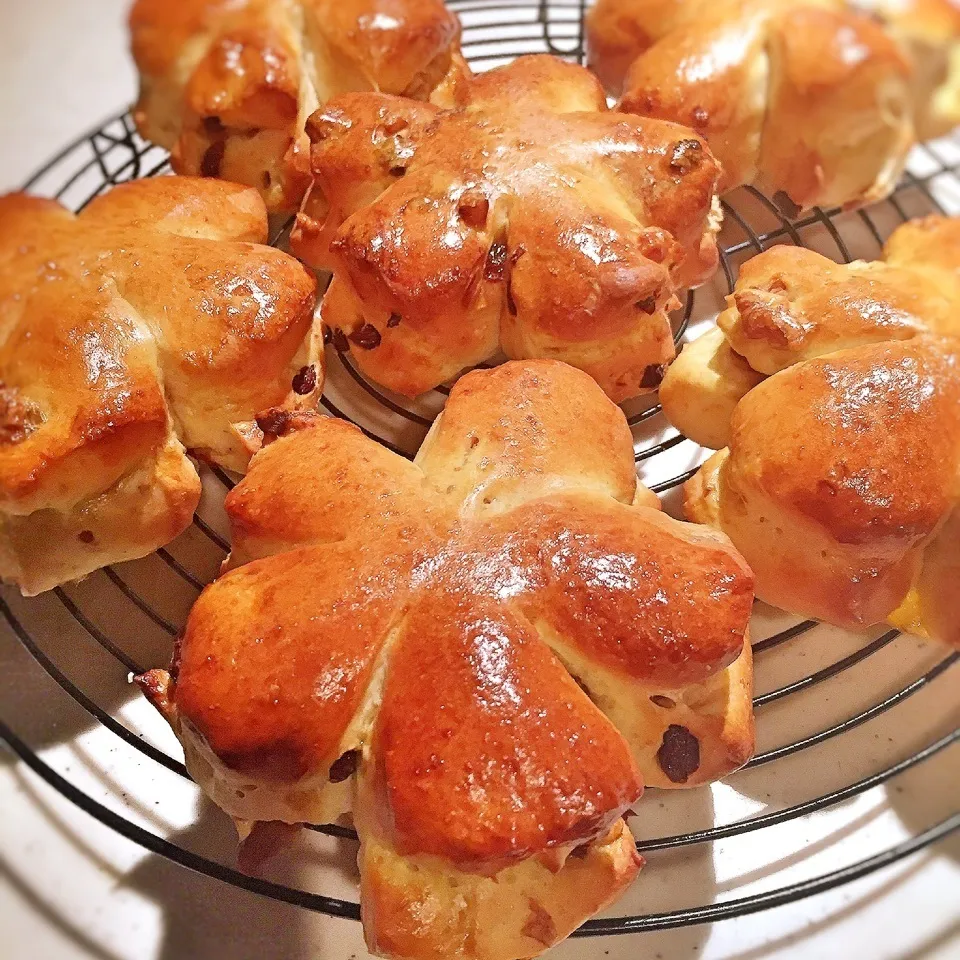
71 888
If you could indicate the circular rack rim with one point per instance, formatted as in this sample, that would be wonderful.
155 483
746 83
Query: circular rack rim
118 134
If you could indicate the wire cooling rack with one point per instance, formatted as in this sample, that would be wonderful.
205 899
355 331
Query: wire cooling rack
122 619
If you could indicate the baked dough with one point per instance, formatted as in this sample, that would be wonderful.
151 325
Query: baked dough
840 486
835 393
791 304
806 100
930 31
226 85
503 640
531 220
151 322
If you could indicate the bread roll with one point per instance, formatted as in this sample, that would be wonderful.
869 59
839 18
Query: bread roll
151 324
840 486
807 100
496 645
531 219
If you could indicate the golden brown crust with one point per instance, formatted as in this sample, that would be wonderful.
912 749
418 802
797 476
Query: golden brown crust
227 86
840 472
791 304
269 513
844 467
278 710
530 218
618 33
839 125
453 629
134 328
419 908
927 242
488 751
604 597
863 442
808 101
507 436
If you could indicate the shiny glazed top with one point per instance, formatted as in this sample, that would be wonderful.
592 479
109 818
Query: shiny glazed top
810 101
157 304
864 441
422 601
530 218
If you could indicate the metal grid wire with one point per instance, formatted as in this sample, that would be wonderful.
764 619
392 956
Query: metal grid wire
494 33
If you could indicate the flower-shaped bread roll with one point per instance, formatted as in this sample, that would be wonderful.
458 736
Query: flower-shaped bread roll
227 84
531 219
841 486
808 100
835 393
485 652
151 322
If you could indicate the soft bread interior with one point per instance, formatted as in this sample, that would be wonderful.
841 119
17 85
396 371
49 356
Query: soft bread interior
932 607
